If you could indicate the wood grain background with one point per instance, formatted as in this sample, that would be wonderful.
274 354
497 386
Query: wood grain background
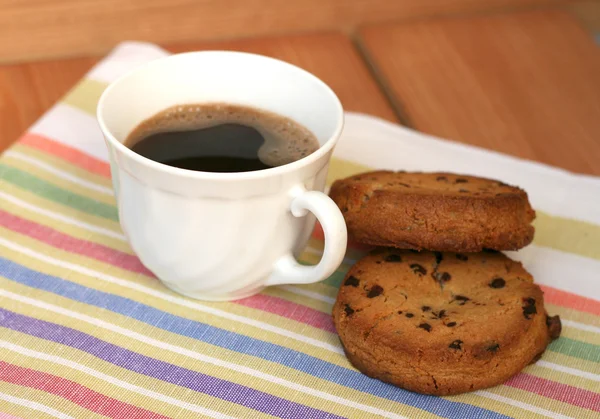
42 29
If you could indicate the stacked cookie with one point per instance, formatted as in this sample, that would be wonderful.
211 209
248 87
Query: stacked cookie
439 310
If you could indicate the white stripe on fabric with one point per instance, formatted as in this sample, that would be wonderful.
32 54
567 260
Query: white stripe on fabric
124 58
74 128
521 405
311 294
580 326
112 380
555 268
167 297
34 406
200 357
568 370
60 217
59 173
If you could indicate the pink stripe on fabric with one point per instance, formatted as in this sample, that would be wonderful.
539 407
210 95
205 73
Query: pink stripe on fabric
293 311
7 416
71 244
67 153
75 392
556 391
570 300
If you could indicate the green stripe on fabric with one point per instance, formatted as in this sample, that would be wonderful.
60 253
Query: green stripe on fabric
85 95
335 280
53 193
576 349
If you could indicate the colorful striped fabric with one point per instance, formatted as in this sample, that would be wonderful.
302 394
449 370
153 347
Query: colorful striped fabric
87 331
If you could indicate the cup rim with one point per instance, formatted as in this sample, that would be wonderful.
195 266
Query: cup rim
193 174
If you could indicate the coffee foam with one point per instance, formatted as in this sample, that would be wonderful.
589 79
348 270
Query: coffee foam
285 140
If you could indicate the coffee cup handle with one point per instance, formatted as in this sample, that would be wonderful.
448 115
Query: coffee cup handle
287 270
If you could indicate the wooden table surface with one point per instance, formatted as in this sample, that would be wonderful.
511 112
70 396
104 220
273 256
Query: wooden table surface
523 83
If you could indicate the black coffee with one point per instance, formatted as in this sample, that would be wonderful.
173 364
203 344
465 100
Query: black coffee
221 138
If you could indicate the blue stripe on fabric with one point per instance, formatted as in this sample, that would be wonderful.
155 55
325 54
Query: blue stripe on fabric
240 343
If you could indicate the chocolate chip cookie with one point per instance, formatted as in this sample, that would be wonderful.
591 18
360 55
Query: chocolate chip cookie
441 323
434 211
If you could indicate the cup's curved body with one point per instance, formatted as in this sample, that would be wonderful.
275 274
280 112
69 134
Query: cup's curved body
220 236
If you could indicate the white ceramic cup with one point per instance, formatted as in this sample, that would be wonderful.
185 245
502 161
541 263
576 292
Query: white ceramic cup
224 236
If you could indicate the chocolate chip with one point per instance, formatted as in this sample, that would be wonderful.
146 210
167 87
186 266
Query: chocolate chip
463 190
378 262
399 311
393 258
439 314
425 308
375 291
351 281
554 326
461 180
462 257
349 310
493 347
461 299
442 179
345 209
425 326
529 308
442 276
497 283
418 269
451 324
409 315
457 344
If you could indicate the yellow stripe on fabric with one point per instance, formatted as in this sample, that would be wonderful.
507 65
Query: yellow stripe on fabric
339 169
69 229
112 390
506 409
62 164
40 202
562 377
85 95
571 362
58 403
199 347
57 181
542 402
313 259
174 308
567 235
302 300
319 245
581 335
573 314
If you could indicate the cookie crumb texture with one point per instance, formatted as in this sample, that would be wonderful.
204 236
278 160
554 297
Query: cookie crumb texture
438 323
434 211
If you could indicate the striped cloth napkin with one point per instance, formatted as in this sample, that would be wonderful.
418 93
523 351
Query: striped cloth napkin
86 331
